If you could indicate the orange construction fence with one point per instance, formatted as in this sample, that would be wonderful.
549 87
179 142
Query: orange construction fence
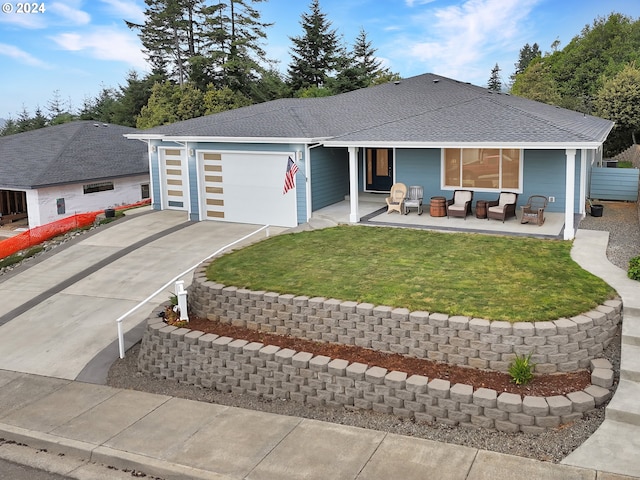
37 235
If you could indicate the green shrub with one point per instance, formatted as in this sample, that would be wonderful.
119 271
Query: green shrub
625 164
20 256
521 370
634 268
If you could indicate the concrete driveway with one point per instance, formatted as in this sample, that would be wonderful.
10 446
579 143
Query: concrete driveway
59 314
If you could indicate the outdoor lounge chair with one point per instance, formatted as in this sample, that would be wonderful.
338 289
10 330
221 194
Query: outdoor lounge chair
414 199
533 211
395 200
460 204
502 208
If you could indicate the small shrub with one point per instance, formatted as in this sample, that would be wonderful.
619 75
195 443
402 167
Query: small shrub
20 256
634 268
521 370
625 164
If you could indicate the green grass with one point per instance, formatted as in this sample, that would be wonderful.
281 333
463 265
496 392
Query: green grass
491 277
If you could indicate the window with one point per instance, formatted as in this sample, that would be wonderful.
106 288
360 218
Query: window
97 187
482 168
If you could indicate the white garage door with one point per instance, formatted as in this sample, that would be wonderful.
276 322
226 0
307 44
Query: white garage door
173 179
246 187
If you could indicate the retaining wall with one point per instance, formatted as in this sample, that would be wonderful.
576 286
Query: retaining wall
233 365
563 345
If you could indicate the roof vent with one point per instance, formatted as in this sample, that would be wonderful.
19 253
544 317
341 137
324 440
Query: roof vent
96 124
435 80
105 124
396 82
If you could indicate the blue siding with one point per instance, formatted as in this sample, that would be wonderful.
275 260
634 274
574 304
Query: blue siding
545 174
420 167
614 184
194 214
329 176
155 181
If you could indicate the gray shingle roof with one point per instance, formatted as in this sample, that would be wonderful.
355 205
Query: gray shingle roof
426 109
70 153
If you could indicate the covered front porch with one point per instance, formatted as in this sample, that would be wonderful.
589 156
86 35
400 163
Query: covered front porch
373 211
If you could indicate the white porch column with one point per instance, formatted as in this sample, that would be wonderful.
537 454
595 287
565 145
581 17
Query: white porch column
354 215
570 191
584 153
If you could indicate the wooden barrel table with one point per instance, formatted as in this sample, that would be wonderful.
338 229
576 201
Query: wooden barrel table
438 207
481 209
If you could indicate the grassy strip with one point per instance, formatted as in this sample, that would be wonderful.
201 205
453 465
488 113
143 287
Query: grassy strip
20 256
491 277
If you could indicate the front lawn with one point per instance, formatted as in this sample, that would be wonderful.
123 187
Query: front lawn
491 277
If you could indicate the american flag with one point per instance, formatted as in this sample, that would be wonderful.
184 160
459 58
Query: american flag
290 175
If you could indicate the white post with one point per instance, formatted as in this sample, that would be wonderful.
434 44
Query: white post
353 184
583 180
570 190
181 293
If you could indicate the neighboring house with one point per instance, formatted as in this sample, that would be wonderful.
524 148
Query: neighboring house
426 130
54 172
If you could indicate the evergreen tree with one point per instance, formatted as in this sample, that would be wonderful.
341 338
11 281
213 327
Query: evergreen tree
360 68
316 53
39 120
527 54
234 32
169 34
495 83
133 96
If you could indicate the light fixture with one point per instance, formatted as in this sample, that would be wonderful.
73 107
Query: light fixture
191 152
153 148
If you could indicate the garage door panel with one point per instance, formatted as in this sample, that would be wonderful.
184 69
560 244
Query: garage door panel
250 187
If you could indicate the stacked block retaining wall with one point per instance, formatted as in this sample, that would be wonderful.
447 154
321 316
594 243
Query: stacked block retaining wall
234 365
563 345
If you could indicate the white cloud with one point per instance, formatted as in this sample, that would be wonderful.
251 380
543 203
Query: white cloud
21 56
70 12
105 43
461 39
412 3
126 9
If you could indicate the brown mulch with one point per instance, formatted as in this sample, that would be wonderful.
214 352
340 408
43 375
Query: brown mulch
541 385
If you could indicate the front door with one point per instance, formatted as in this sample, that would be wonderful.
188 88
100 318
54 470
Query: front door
379 163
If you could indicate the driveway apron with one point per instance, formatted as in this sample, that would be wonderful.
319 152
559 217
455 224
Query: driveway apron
60 313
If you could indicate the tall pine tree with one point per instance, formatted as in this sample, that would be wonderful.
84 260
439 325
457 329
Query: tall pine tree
494 82
316 54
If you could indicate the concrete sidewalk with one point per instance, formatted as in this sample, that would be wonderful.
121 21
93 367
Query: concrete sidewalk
181 439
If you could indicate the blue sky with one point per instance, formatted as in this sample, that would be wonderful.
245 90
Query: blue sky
75 47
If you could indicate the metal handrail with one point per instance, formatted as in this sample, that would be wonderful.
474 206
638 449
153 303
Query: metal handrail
217 252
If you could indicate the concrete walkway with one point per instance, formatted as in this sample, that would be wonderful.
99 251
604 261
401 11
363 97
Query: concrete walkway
42 406
615 445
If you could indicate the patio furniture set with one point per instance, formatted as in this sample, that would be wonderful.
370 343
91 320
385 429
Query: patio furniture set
401 199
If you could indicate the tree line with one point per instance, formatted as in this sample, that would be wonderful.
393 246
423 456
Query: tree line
597 73
206 56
